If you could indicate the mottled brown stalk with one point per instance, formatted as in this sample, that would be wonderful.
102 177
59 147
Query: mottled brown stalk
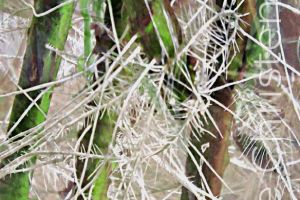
217 152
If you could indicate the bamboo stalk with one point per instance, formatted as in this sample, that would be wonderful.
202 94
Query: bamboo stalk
101 136
105 124
149 21
39 66
217 152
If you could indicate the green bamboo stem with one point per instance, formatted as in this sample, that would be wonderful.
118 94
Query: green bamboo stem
84 10
105 125
105 122
152 27
39 66
102 139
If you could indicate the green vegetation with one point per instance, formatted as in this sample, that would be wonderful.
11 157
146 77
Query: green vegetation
158 86
39 66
